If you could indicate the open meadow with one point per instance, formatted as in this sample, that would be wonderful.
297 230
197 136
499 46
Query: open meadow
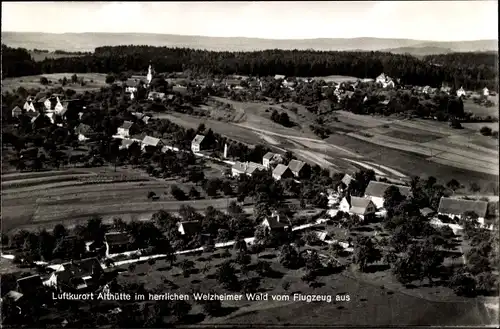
93 81
369 304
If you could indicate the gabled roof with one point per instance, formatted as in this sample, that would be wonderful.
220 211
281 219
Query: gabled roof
14 295
358 205
127 142
296 165
191 227
459 206
280 170
269 155
277 221
30 283
198 139
79 269
247 167
151 141
117 238
377 189
127 125
426 211
347 179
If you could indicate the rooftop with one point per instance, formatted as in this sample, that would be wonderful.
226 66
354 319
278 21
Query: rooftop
377 189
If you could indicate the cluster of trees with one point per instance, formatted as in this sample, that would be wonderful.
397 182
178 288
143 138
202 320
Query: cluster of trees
473 71
281 118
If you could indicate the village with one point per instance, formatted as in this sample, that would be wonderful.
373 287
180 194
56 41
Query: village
356 200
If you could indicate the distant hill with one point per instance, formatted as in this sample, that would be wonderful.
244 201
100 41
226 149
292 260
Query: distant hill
89 41
419 51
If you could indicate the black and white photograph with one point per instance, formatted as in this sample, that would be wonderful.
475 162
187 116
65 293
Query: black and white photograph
223 164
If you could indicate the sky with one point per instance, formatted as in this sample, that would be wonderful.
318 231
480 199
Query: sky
421 20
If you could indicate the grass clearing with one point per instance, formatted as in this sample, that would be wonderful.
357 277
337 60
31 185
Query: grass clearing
470 106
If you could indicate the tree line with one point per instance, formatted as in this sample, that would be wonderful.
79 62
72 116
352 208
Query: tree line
470 70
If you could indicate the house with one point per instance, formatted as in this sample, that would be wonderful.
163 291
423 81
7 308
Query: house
277 222
126 143
344 183
486 92
116 242
151 141
29 285
461 92
299 168
457 207
426 89
270 159
363 207
180 89
247 168
427 212
279 77
198 143
385 81
154 95
375 191
16 111
189 228
282 172
84 132
29 106
78 275
146 119
445 89
124 129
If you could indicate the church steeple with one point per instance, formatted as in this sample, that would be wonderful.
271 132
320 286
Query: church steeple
149 77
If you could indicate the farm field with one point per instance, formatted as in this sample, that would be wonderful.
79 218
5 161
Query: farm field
336 78
478 125
47 198
463 149
93 81
411 163
470 106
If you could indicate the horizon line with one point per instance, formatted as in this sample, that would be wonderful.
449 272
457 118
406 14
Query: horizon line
256 38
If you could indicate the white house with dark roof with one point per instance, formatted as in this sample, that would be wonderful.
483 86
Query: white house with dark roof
486 92
151 141
375 191
452 207
270 159
353 205
198 143
246 168
282 172
385 81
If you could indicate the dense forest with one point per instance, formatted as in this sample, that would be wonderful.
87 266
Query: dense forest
473 71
